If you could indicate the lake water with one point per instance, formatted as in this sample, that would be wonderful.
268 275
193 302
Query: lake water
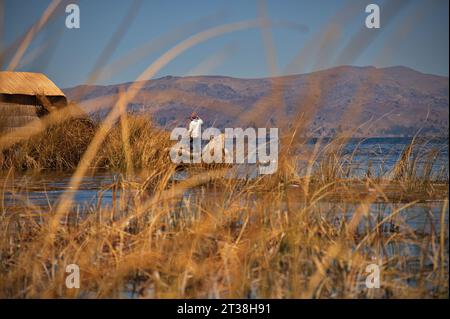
381 154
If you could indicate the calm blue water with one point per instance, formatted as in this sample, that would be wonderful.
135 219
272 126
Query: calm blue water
381 155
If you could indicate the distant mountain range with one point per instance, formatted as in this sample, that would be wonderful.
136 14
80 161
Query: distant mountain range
394 101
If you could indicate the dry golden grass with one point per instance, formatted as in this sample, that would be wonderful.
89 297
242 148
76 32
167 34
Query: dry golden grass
61 146
270 237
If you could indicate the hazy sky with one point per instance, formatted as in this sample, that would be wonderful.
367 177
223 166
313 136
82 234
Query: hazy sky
306 35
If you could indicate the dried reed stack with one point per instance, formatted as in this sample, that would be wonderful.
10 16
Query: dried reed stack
24 97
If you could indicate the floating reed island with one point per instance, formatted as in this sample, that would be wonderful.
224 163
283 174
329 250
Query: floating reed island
41 129
26 142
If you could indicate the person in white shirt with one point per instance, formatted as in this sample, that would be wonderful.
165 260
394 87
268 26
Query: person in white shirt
195 133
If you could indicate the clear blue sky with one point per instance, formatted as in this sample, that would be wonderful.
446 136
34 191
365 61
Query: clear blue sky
416 37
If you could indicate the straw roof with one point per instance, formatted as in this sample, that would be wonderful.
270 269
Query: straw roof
27 83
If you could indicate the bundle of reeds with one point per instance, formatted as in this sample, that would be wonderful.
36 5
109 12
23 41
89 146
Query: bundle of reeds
13 116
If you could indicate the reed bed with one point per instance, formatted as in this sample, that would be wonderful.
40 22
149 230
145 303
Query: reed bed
286 235
61 146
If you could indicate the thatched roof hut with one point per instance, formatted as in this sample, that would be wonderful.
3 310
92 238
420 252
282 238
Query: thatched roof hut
24 97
